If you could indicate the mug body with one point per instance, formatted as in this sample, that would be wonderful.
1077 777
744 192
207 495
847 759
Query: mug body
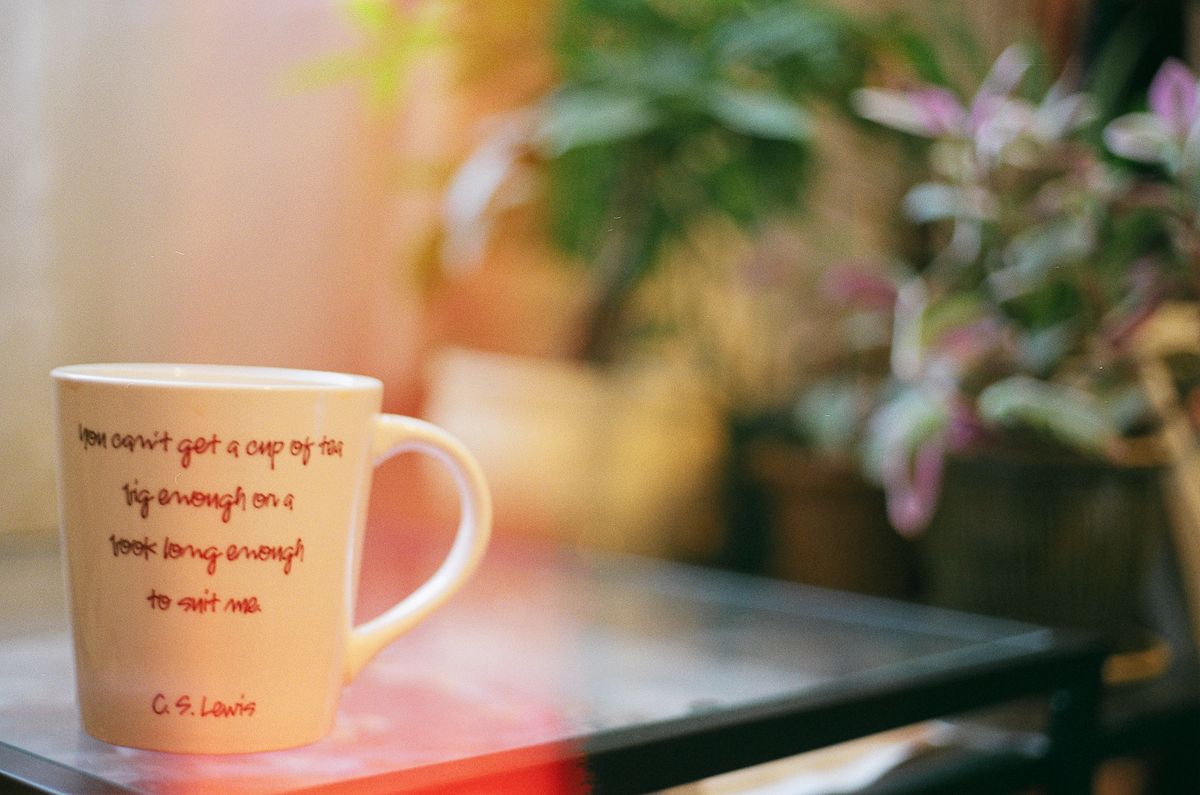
211 519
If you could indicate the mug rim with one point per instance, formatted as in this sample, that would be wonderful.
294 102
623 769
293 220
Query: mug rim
210 376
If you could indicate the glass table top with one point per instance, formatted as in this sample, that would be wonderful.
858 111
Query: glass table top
547 653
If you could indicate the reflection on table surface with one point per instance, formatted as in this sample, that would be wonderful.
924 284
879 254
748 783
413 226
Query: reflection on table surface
543 650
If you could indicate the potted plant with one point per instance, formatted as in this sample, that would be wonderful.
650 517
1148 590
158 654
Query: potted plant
1011 431
665 122
661 118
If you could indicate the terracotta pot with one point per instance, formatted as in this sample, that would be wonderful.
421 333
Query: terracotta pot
826 526
614 460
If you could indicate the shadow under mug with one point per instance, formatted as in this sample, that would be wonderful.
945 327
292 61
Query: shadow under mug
212 521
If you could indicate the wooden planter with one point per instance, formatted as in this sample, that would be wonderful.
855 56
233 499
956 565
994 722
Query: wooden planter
1062 543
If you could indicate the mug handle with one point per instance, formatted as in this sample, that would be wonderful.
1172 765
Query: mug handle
393 435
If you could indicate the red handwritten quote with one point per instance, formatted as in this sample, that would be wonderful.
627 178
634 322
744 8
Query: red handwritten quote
223 505
143 499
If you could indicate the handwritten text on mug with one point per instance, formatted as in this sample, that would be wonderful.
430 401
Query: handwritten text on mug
144 499
211 445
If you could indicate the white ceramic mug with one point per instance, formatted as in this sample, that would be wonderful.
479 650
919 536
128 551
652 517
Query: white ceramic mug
212 521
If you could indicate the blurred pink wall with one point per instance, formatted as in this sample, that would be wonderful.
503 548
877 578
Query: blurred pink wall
222 214
167 194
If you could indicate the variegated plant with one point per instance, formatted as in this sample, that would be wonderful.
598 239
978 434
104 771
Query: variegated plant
1167 137
1017 327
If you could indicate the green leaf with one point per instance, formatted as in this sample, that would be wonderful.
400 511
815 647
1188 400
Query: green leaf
583 117
955 311
900 426
1143 137
754 179
667 70
1048 304
772 33
1070 415
1042 349
1031 256
933 201
579 218
760 114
